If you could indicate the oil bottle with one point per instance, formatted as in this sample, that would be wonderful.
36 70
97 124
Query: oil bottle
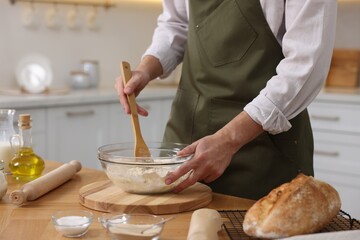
25 165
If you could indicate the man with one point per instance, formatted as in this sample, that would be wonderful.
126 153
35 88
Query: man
250 69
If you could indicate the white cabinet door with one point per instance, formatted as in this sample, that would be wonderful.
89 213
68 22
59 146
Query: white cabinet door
336 150
335 117
75 133
152 126
120 128
38 121
336 162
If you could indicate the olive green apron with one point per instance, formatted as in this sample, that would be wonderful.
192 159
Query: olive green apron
231 53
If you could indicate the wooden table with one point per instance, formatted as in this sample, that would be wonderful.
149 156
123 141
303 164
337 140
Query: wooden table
33 220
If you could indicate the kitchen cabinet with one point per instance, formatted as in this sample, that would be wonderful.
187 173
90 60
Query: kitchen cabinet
119 125
336 132
152 126
75 125
76 132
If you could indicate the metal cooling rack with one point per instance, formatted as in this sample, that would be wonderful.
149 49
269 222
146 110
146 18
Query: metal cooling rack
233 220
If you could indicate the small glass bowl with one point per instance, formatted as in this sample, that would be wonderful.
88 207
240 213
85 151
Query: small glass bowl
72 223
132 226
142 175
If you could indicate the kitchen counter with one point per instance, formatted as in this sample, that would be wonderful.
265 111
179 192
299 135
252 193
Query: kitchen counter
109 95
33 220
339 95
15 99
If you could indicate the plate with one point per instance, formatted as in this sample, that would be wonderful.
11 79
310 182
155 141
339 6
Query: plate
34 74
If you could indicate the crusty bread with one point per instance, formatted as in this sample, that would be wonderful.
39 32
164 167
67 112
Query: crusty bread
304 205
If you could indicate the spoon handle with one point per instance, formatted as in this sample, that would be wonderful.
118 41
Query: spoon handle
140 149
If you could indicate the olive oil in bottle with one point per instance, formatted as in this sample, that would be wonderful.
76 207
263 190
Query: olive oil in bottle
25 165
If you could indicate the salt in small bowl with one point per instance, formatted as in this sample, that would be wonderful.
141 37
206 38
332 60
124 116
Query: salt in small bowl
72 223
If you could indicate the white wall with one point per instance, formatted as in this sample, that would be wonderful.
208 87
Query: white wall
124 33
348 22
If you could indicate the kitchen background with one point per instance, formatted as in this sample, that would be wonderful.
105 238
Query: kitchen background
123 33
74 125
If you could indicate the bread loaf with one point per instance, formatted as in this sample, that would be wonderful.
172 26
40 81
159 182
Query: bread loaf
304 205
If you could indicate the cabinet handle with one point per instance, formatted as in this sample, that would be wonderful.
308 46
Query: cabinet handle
80 113
326 153
326 118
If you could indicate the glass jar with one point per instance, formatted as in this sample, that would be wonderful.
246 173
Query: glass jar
6 132
91 67
25 166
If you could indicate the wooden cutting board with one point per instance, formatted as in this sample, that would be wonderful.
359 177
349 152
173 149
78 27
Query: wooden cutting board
106 197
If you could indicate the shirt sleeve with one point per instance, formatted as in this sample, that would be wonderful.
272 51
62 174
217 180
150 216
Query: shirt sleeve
170 36
307 46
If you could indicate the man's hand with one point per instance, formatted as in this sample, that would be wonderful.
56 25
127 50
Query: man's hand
149 68
212 154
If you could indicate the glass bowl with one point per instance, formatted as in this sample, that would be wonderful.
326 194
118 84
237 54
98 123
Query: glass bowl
132 226
142 175
72 223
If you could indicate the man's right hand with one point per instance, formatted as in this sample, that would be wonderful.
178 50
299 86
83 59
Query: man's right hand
149 68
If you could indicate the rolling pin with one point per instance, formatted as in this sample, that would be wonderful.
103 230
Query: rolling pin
38 187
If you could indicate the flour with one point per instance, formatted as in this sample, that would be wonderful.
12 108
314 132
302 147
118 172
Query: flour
134 231
72 226
142 179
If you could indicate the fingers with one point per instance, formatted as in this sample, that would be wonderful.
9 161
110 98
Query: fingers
142 111
137 82
193 166
121 95
191 180
133 86
188 149
198 174
209 161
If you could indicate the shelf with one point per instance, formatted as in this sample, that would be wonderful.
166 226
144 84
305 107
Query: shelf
349 1
100 3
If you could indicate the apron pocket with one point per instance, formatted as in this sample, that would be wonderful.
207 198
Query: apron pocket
180 126
296 145
225 35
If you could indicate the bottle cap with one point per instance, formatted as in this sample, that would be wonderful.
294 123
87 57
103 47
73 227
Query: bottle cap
24 121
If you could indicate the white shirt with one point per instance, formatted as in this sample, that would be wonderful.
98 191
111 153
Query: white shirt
304 28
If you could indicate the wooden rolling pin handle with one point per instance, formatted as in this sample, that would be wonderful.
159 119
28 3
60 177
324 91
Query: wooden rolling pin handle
40 186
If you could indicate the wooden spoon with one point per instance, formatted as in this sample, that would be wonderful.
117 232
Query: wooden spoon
140 148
